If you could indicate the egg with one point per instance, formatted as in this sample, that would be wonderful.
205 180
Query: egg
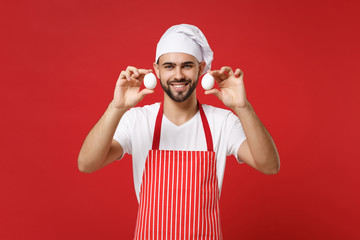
207 81
150 81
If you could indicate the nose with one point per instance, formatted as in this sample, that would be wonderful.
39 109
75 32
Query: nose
178 73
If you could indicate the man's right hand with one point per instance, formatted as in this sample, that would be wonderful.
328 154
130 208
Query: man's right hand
127 94
99 148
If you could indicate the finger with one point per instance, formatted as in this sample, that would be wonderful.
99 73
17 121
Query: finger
217 75
227 71
133 71
141 76
144 92
124 75
120 80
143 72
238 73
215 92
223 73
213 72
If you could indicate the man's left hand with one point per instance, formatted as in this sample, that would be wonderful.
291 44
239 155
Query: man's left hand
232 90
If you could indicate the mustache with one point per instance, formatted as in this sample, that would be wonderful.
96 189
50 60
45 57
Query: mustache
182 80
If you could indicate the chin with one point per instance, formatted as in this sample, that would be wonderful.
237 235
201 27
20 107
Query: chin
179 97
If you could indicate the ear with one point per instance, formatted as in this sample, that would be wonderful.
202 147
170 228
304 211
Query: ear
156 68
201 68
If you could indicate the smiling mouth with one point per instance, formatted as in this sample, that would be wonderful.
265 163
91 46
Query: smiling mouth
179 85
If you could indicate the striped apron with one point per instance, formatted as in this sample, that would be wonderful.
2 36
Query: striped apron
179 194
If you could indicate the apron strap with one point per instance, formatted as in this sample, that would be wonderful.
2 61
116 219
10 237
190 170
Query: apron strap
206 127
157 130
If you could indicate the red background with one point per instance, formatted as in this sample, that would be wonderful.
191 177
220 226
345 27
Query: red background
59 64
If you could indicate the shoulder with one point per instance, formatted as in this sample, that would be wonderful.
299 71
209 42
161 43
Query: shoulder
208 109
219 116
144 111
216 112
139 116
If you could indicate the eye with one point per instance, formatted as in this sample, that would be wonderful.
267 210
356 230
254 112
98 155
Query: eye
187 66
168 67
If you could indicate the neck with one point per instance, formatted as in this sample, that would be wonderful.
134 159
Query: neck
180 112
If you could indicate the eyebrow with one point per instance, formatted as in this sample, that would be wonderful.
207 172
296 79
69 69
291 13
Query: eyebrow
184 63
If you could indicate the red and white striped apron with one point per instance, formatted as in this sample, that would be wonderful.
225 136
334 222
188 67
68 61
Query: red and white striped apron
179 194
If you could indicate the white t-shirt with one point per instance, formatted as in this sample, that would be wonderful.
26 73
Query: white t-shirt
136 129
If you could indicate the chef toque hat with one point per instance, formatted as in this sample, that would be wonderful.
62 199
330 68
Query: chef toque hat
185 38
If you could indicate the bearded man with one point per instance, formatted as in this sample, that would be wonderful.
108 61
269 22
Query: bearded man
179 146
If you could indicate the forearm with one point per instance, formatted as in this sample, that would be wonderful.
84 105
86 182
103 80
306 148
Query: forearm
261 144
97 143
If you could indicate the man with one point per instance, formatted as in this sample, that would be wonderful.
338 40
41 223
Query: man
179 147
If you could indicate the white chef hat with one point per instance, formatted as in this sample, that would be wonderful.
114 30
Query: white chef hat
185 38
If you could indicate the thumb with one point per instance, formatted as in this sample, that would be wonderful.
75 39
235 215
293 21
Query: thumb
144 92
215 92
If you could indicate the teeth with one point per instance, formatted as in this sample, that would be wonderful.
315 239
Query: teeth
178 86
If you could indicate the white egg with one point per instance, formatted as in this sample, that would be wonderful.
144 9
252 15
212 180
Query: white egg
207 81
150 81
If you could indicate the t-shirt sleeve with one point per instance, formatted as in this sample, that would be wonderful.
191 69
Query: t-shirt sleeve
123 133
236 135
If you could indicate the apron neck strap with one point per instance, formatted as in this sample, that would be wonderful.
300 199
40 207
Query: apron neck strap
157 130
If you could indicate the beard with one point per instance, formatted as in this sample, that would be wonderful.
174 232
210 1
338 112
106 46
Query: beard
180 96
